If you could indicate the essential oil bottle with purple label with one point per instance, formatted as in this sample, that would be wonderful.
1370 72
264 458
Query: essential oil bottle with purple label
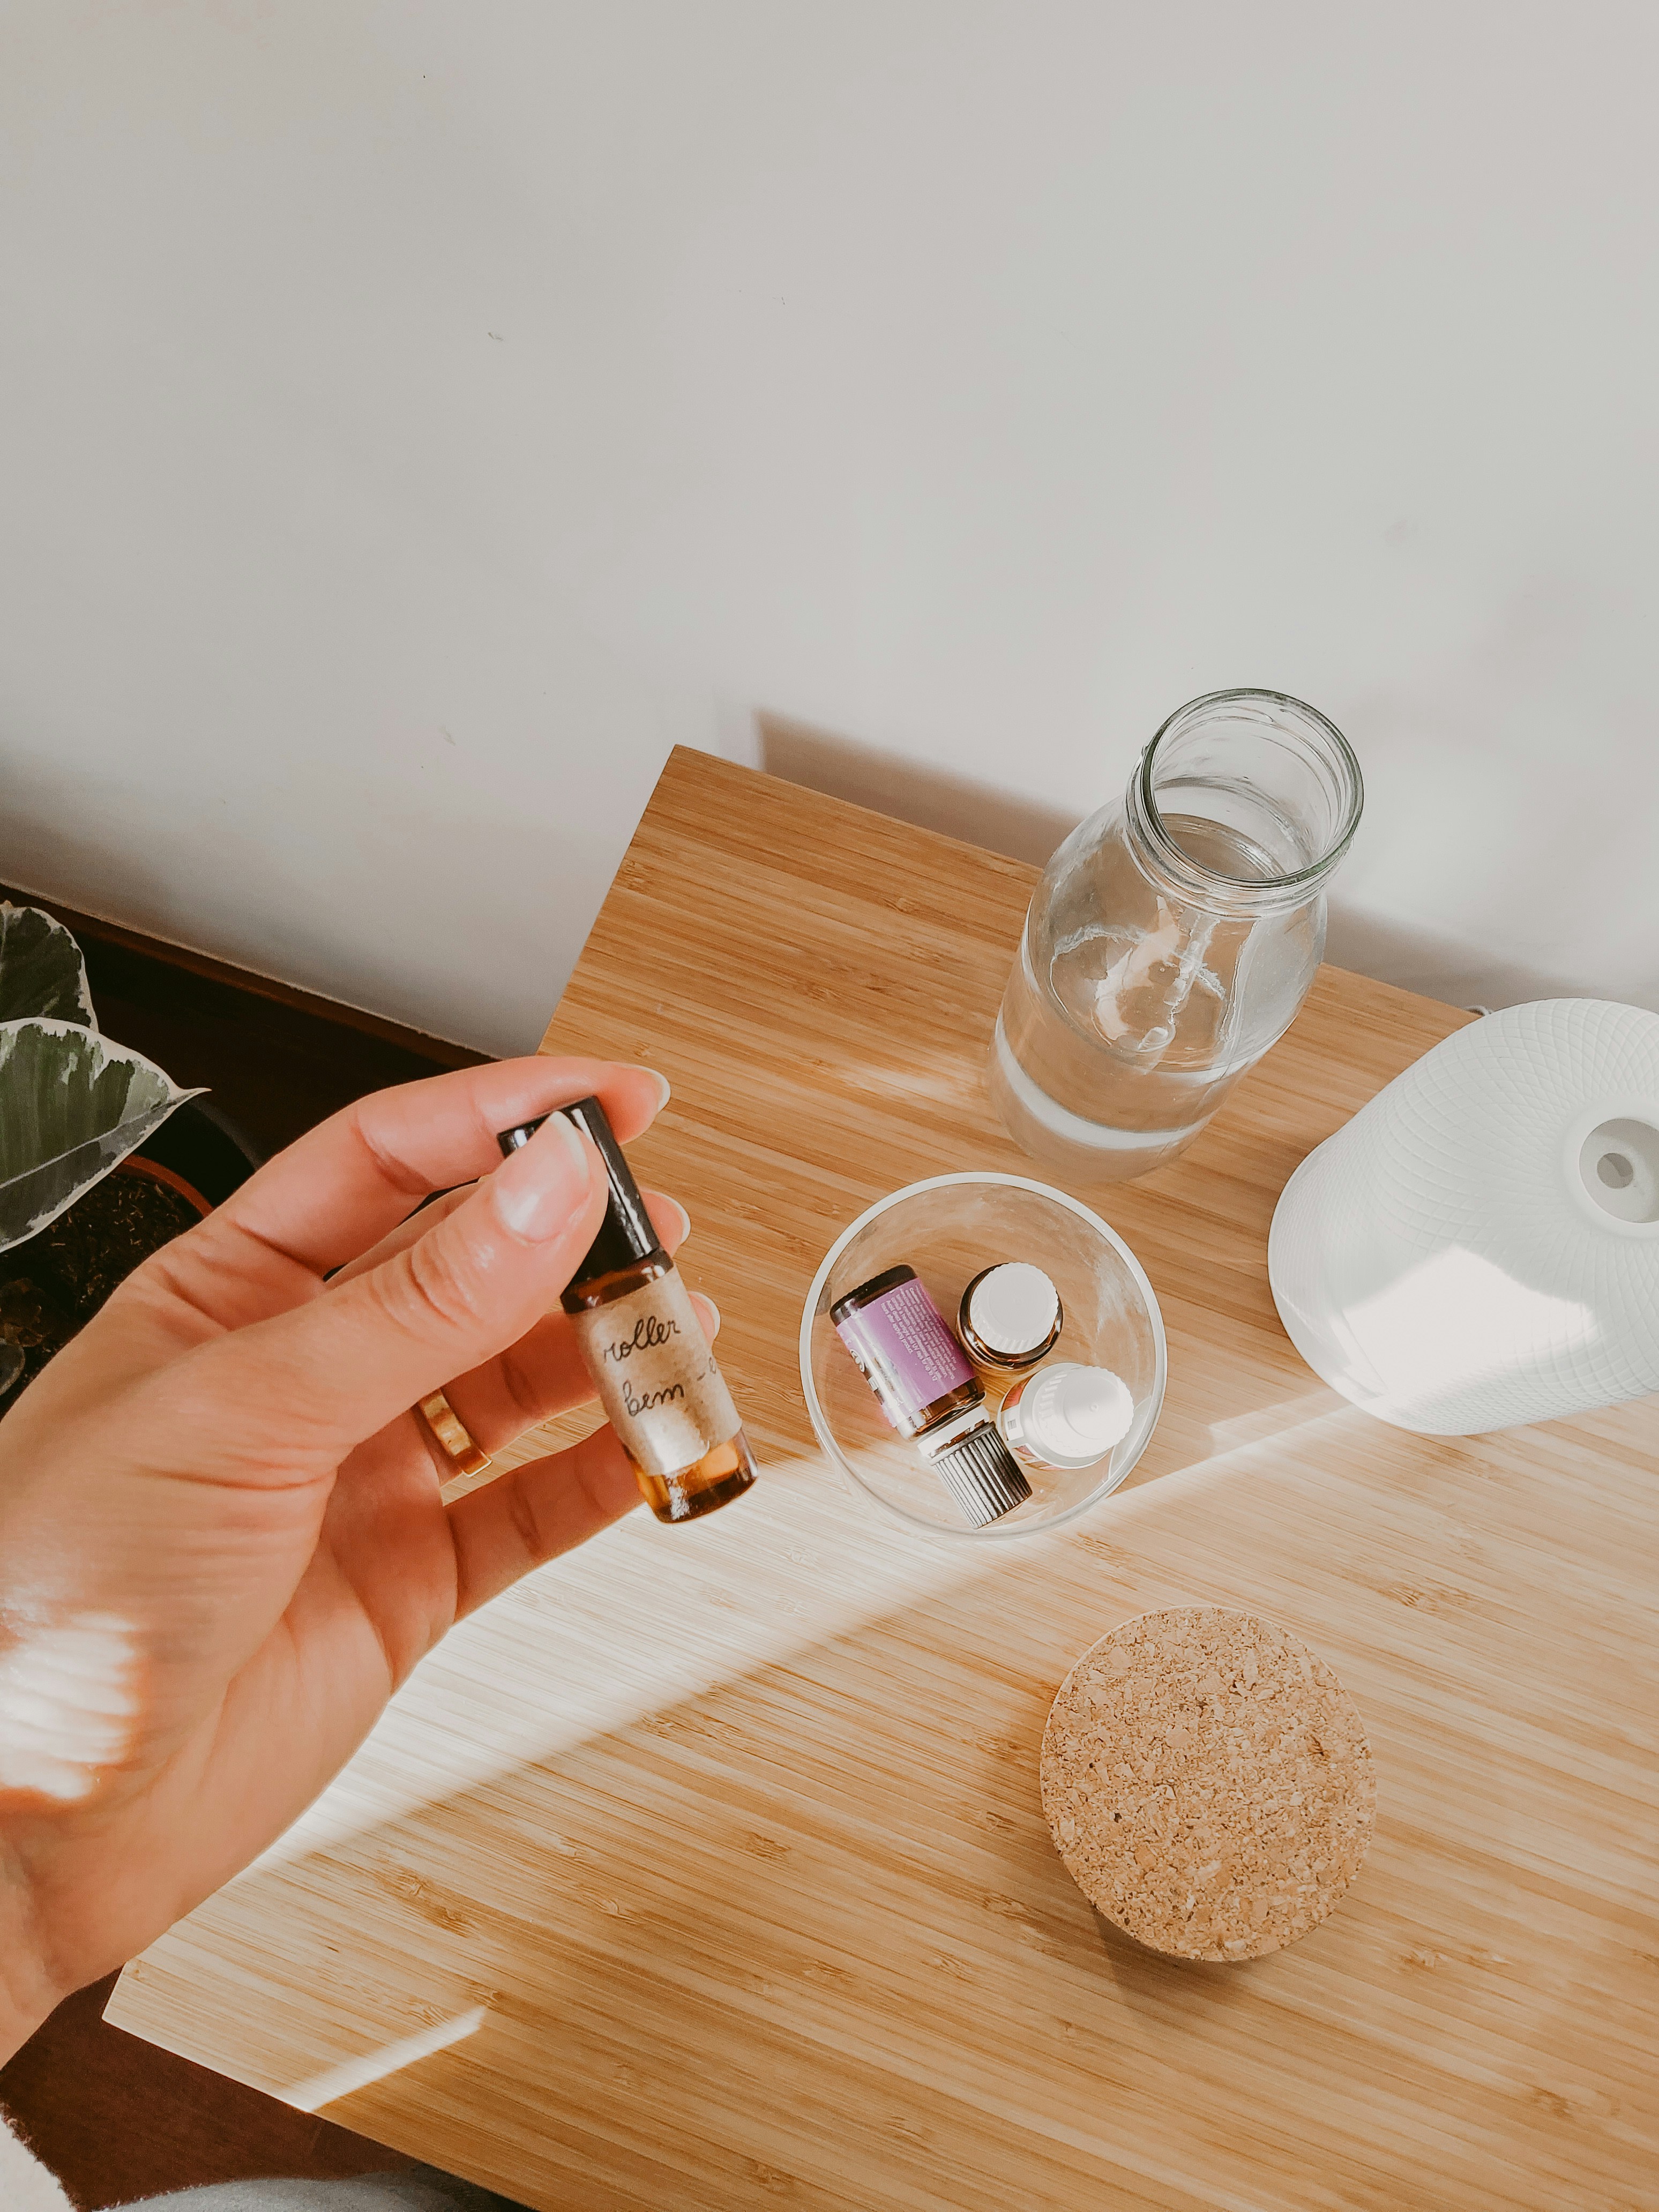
923 1382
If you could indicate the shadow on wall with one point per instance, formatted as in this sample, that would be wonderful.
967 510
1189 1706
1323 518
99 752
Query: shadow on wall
1438 967
1417 960
932 797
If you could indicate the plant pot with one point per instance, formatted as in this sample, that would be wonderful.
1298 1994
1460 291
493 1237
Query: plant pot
152 1172
52 1286
205 1148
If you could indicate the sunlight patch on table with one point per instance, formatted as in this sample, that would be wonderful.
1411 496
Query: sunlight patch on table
353 2074
797 1564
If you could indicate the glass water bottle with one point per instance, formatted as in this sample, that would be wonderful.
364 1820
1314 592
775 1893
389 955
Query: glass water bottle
1174 936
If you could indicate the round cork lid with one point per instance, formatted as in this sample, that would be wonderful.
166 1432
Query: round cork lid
1208 1782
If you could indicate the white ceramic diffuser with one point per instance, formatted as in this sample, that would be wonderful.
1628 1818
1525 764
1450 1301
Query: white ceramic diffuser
1479 1245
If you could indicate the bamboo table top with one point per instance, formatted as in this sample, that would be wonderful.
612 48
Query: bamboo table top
707 1870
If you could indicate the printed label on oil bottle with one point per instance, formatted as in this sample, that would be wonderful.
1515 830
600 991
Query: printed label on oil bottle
905 1350
656 1376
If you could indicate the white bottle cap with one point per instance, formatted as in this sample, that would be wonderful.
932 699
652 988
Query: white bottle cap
1068 1416
1012 1311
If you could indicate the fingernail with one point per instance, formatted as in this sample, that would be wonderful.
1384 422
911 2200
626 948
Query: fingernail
713 1309
663 1088
685 1221
539 1188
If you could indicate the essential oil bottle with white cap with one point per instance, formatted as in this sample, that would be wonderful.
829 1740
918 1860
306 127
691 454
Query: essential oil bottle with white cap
1067 1416
642 1342
1010 1316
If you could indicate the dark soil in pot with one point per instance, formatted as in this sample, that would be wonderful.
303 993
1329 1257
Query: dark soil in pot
52 1286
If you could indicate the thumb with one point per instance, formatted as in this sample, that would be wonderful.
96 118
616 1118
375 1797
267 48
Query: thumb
323 1376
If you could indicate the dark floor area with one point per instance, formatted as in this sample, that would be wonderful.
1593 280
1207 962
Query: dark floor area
114 2117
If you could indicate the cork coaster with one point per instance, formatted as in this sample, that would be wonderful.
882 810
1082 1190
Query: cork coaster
1208 1782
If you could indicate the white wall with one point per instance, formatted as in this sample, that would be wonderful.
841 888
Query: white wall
414 417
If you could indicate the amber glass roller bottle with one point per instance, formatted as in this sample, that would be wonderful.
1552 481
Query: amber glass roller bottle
643 1344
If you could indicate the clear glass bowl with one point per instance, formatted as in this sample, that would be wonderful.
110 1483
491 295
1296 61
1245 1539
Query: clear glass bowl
947 1229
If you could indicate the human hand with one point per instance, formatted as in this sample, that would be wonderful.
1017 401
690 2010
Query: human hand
221 1541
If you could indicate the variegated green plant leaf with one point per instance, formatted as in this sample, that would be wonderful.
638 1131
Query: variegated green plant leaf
71 1105
42 970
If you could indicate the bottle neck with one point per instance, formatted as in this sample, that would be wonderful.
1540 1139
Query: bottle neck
1244 803
1185 880
581 1296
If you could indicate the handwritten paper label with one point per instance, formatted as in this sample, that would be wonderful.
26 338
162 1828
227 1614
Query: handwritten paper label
656 1376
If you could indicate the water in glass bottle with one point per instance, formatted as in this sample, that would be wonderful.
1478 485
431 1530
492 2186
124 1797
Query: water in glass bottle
1174 936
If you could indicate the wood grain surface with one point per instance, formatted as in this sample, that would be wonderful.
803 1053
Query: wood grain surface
707 1870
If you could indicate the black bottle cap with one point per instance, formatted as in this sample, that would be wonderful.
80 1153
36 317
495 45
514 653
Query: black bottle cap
626 1234
983 1476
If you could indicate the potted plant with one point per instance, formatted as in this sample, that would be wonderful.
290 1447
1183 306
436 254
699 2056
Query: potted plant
91 1179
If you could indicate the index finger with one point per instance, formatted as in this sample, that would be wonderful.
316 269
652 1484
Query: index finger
344 1184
